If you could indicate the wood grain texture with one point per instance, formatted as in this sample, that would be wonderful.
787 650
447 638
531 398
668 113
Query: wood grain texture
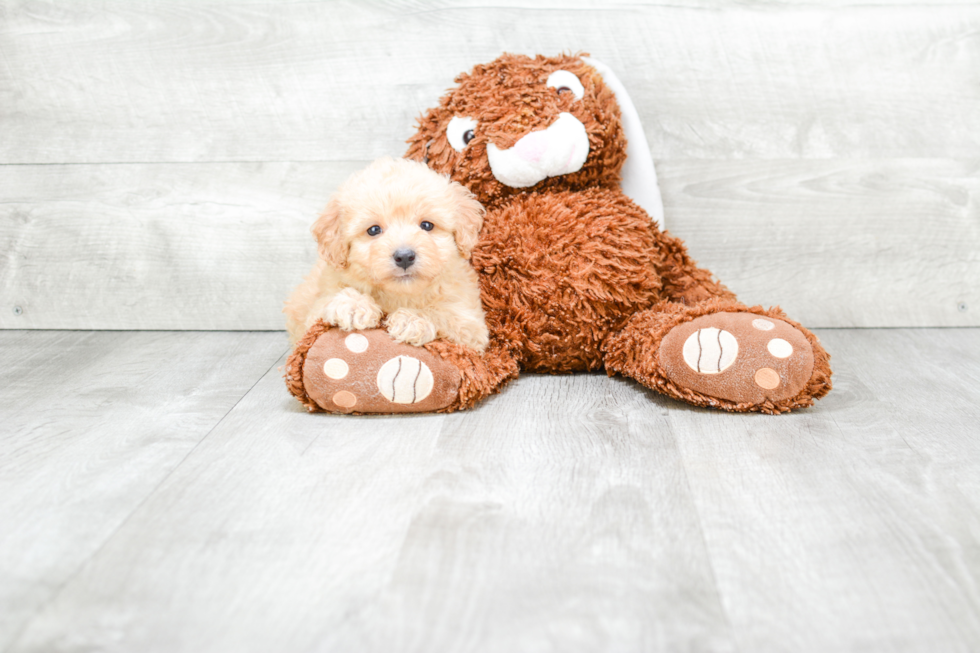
214 246
818 156
574 513
854 526
837 243
266 81
90 424
556 517
220 246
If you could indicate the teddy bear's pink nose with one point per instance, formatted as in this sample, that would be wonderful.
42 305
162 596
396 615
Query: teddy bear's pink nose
532 147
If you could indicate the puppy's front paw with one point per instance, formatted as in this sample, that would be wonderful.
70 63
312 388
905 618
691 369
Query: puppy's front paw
410 328
475 336
352 311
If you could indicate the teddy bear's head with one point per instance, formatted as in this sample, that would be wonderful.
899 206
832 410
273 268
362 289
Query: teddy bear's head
519 122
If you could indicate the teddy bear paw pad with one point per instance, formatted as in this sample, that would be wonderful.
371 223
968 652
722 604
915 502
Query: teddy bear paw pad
740 357
368 372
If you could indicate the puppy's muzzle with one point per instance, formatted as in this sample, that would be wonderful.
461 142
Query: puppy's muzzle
404 258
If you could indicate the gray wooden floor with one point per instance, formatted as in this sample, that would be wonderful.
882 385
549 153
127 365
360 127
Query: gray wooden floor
160 491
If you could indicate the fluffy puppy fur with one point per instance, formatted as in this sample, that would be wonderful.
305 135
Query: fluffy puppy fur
395 240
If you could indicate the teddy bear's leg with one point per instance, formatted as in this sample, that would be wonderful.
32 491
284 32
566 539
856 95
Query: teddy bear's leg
369 372
723 354
683 281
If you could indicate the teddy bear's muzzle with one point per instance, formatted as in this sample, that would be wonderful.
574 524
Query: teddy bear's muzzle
558 150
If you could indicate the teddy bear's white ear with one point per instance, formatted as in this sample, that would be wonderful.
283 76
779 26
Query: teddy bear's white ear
639 176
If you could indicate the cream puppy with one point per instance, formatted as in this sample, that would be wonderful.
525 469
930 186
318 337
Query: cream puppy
394 243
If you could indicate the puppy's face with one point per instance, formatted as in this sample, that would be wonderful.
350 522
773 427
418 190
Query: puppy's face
395 224
401 246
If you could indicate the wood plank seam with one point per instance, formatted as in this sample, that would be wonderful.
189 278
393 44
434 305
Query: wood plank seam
147 497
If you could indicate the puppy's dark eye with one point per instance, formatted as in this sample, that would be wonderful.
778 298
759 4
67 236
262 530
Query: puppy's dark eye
374 230
427 226
468 135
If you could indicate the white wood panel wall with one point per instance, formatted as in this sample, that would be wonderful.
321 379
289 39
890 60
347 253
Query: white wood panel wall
160 162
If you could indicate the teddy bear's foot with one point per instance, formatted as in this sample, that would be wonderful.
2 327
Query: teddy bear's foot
722 354
744 358
368 372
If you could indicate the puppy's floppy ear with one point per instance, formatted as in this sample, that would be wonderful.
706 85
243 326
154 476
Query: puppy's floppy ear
327 231
469 219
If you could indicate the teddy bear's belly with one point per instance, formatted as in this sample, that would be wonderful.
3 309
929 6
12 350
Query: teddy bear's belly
561 271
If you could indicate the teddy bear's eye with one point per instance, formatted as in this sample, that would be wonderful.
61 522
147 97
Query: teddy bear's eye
460 132
562 80
374 230
426 225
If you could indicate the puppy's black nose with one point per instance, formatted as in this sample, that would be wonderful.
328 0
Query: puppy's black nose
404 258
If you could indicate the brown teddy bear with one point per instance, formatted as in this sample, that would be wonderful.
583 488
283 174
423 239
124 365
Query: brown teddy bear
574 275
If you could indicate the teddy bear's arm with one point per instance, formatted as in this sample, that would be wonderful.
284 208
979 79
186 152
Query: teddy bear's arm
683 281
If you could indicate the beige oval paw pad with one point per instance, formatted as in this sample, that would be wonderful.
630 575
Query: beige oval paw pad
763 325
780 348
356 343
710 351
336 368
405 380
